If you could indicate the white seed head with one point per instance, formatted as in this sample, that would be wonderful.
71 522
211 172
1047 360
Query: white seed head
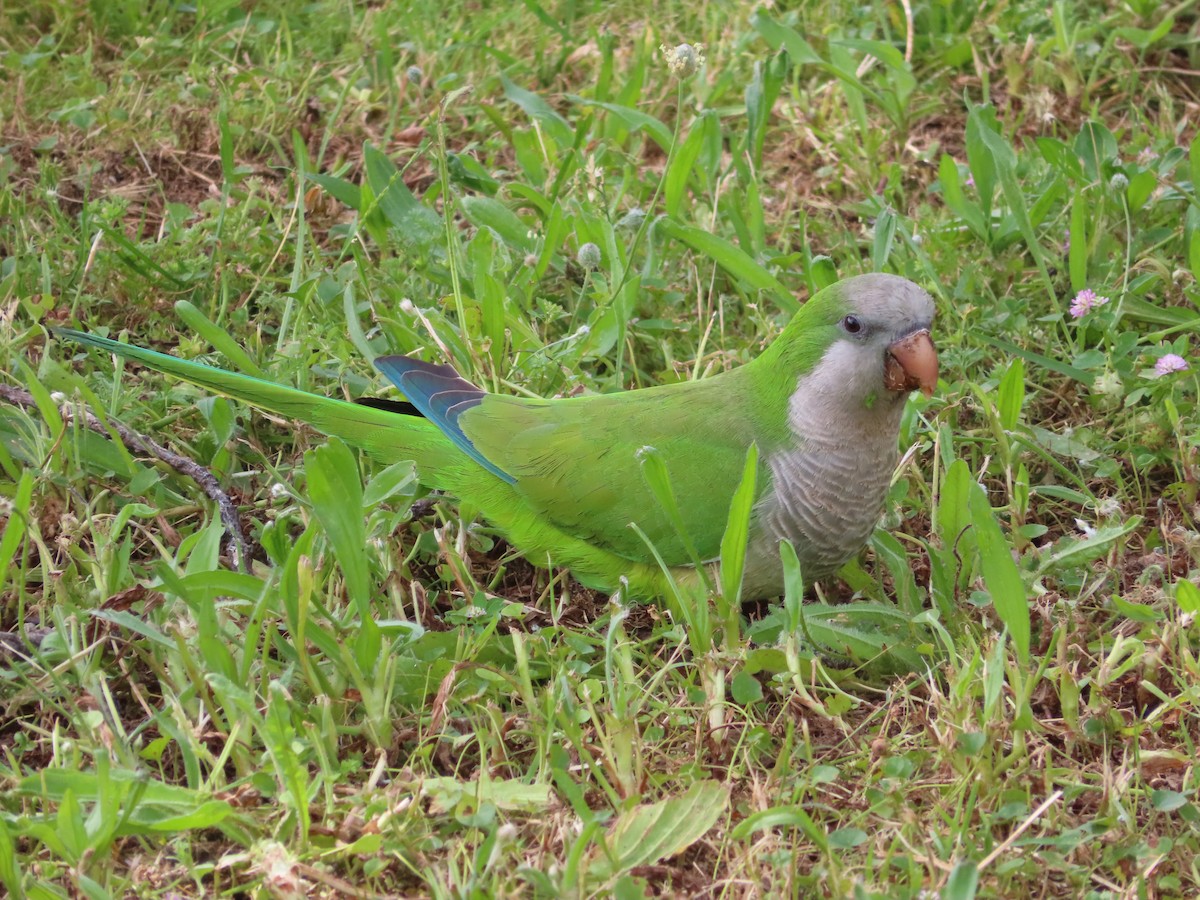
1109 384
632 219
683 60
588 256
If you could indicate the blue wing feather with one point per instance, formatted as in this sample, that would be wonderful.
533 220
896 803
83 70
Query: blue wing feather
441 395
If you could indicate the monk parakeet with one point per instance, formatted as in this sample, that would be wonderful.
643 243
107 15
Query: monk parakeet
562 478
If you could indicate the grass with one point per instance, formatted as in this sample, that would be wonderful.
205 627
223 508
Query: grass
390 702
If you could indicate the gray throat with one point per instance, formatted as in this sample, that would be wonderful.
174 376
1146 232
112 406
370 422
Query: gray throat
827 491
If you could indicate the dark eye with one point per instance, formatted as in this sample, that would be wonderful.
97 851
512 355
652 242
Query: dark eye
852 325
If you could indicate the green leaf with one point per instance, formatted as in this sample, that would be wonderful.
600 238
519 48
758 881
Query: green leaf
1054 365
1011 394
335 491
1167 801
1141 186
732 259
218 337
680 171
782 817
1096 147
632 119
413 220
486 212
952 193
9 877
17 524
1005 161
339 189
1143 38
1000 573
885 234
737 530
1077 255
847 838
1187 595
777 35
1194 164
962 883
745 688
1077 552
980 121
538 109
654 470
133 623
654 831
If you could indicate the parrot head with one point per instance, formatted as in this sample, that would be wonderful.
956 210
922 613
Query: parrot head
874 344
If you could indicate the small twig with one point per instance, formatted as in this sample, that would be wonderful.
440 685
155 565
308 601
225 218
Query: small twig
141 444
1020 830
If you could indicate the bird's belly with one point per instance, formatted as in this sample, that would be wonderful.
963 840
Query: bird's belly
826 500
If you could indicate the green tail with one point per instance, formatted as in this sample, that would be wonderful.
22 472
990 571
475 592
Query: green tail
388 436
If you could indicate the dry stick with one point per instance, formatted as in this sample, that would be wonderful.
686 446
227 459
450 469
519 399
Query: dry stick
141 444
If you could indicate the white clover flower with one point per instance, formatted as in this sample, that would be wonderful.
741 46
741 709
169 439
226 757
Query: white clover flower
278 489
407 306
414 73
58 397
1118 182
683 60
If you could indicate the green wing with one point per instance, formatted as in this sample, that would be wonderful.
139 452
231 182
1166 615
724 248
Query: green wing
575 460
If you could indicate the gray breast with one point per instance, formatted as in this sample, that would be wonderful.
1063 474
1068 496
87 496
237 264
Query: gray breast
826 498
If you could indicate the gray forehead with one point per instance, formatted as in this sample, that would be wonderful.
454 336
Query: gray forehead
889 296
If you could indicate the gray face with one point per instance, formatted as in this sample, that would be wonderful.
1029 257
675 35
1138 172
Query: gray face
881 309
886 307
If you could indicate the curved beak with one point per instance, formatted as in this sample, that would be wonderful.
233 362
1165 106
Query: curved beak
912 364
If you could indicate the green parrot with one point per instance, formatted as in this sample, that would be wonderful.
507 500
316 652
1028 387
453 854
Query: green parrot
562 479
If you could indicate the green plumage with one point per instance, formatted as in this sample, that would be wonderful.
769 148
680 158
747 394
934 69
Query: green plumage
574 480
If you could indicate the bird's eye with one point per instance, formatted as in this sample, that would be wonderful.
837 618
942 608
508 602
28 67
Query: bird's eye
852 325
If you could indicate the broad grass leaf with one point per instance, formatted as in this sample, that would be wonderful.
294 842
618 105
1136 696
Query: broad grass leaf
218 337
414 221
537 108
962 883
737 530
1000 573
1011 394
655 831
16 525
732 259
782 817
1077 255
1187 595
486 212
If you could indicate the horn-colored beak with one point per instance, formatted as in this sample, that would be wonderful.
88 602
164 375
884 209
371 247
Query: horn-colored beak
912 364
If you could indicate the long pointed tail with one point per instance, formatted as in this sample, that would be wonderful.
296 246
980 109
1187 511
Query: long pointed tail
385 434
